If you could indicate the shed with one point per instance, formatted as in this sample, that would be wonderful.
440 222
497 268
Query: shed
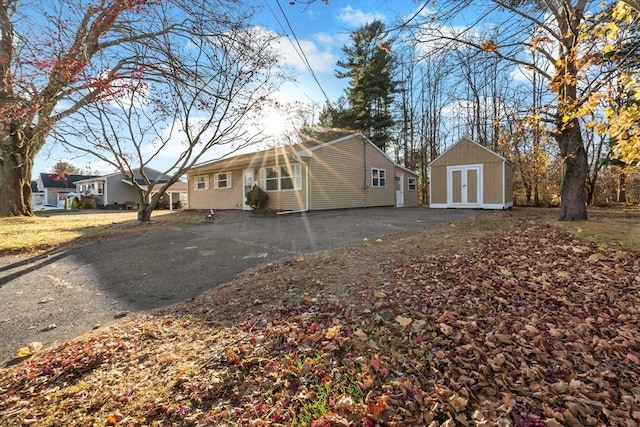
468 175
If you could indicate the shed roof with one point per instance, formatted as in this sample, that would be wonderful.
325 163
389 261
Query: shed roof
466 141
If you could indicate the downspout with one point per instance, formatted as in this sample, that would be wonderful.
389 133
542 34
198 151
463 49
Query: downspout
307 185
366 186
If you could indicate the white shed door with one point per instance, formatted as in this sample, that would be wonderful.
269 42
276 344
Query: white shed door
464 186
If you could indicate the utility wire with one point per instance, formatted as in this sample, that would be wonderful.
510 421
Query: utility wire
298 48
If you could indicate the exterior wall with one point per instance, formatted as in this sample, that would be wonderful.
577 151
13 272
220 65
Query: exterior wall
340 178
334 175
51 194
118 191
410 196
233 198
493 188
287 200
216 198
465 152
497 175
438 185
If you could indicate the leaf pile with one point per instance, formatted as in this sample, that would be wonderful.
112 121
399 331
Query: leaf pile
526 328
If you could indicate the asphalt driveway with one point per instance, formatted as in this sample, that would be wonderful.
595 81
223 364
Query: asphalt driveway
70 292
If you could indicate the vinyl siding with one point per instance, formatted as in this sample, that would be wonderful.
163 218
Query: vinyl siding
338 176
410 196
438 184
465 152
497 180
233 198
216 198
492 183
118 191
288 200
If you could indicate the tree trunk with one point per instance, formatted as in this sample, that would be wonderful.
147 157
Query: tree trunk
572 191
622 187
15 181
144 212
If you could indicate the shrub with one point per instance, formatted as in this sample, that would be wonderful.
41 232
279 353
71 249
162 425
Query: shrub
257 198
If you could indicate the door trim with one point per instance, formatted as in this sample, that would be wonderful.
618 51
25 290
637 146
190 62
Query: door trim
399 192
464 202
247 185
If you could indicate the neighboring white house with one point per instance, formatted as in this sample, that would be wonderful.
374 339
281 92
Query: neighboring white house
117 190
53 188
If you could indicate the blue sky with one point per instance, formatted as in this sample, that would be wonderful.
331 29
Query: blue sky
320 30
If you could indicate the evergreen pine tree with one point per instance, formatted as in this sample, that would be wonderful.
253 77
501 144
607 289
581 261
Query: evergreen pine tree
369 66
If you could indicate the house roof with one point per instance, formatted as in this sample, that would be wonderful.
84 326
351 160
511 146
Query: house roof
295 152
52 180
153 175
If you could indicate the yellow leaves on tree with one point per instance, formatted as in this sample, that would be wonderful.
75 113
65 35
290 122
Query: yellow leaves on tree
624 129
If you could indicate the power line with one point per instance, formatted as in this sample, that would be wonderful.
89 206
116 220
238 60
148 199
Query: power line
297 47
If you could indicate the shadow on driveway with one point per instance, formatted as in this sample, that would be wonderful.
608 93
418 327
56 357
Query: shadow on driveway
67 293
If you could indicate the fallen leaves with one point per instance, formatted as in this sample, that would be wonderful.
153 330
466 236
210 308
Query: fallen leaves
527 328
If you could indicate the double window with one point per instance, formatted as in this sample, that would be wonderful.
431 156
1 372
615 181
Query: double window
222 180
281 178
378 177
201 182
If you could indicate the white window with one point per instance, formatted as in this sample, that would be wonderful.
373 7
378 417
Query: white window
100 187
412 184
282 178
202 182
378 177
222 180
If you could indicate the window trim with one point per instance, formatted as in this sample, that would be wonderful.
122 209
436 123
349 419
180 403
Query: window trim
197 181
380 177
294 174
415 184
228 181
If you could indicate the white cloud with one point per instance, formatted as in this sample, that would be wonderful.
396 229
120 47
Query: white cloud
321 57
357 18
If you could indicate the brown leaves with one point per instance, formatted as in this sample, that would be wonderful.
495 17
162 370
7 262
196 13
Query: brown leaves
528 328
489 46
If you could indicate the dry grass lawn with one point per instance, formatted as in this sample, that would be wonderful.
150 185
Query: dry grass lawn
49 230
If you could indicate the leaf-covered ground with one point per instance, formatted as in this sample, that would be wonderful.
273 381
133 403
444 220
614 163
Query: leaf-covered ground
528 327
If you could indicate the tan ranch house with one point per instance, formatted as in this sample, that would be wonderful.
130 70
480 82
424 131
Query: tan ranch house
348 172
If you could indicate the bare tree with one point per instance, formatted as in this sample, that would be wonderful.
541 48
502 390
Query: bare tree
62 56
210 95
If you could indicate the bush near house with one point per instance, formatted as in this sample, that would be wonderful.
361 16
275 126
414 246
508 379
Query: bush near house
257 198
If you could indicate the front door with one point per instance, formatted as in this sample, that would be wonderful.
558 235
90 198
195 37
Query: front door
399 190
249 179
464 185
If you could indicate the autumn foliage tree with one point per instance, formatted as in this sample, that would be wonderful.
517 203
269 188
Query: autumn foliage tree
559 33
61 56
